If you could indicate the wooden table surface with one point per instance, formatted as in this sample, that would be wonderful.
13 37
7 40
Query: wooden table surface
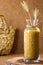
3 59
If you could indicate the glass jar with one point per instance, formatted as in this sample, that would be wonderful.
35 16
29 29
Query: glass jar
31 41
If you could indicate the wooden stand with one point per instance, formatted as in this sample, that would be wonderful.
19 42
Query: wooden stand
19 61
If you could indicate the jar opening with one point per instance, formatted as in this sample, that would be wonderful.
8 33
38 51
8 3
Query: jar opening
31 24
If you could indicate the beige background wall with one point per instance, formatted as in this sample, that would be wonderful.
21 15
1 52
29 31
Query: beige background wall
16 16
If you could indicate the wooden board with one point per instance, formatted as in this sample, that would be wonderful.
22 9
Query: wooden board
20 61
